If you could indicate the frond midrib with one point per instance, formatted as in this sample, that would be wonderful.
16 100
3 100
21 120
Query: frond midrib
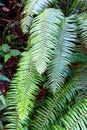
43 46
78 120
64 48
54 104
26 88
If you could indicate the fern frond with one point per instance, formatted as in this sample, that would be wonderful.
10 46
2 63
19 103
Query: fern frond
21 97
82 27
2 101
27 89
45 115
44 36
11 113
78 57
34 7
59 69
57 127
75 4
82 7
76 118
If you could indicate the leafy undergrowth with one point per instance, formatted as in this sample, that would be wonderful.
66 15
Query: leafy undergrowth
12 44
10 36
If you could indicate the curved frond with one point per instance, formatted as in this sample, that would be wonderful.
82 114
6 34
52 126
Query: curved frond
34 7
11 112
76 118
27 85
45 115
59 69
44 36
24 88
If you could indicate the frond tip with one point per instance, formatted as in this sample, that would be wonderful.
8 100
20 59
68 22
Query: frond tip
44 36
59 66
33 7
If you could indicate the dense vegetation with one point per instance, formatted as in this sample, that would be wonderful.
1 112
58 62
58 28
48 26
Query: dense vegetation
49 89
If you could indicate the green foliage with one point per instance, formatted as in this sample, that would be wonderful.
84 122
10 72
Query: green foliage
2 106
57 127
33 8
6 52
22 103
74 5
57 51
46 115
76 118
28 88
59 66
43 43
82 26
2 102
1 66
4 78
